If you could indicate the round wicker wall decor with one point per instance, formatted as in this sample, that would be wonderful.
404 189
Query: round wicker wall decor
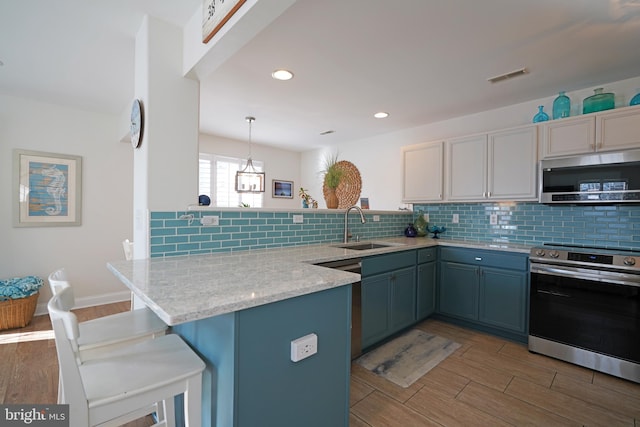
348 191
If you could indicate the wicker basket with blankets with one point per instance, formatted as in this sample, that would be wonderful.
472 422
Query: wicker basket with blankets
18 299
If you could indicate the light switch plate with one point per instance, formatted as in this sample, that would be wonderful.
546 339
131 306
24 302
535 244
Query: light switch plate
455 219
493 219
298 219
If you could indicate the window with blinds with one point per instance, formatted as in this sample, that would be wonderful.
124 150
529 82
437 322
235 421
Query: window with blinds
217 179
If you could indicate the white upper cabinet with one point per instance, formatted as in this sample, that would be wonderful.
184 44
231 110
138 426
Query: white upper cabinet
618 129
467 171
496 166
610 130
422 172
512 167
564 137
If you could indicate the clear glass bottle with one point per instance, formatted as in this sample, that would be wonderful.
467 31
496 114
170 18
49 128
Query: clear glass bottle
561 106
541 116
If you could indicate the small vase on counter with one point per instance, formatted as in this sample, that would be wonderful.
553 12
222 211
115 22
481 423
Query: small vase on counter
561 106
541 116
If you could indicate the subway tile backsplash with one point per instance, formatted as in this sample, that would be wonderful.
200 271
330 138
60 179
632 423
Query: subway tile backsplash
243 230
526 223
532 223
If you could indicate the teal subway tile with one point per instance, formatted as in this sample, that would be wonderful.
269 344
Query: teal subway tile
156 223
163 232
249 214
163 248
258 221
221 236
190 230
163 215
188 246
210 245
266 215
200 238
240 236
228 215
176 239
210 230
248 242
230 229
156 240
241 222
230 244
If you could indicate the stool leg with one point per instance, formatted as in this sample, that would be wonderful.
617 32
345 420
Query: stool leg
169 411
193 402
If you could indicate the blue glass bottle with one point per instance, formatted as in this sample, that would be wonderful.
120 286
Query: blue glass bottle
635 100
561 106
541 116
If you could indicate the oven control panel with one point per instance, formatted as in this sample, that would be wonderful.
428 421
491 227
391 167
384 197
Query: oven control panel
589 259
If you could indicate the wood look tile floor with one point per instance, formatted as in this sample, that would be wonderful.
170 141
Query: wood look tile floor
487 382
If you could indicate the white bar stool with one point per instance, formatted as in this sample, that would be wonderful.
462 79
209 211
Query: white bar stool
108 332
128 382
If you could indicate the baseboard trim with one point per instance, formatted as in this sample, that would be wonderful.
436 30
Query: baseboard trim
92 301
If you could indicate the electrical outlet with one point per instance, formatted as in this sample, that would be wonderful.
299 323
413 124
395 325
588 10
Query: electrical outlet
304 347
376 218
298 219
455 219
493 219
210 220
426 217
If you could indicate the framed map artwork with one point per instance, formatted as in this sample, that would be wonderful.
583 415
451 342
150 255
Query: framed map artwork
47 189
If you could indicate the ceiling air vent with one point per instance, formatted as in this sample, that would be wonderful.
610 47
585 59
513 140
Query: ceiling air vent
507 76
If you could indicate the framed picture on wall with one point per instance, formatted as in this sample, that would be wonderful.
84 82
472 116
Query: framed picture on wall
47 189
216 13
282 189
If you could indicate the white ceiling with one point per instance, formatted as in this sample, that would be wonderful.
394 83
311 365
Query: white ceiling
421 60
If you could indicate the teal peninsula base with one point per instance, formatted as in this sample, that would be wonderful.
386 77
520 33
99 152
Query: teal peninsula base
250 379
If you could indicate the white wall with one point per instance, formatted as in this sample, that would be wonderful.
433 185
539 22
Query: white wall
106 198
379 159
278 164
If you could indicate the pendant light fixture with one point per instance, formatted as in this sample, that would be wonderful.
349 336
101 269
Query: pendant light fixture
249 180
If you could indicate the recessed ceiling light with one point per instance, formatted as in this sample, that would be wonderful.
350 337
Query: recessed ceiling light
381 115
282 75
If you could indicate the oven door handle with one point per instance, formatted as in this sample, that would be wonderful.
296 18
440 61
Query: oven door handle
555 294
587 274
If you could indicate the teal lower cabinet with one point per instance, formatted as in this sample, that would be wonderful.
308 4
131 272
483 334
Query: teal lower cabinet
427 279
503 298
459 285
488 289
250 379
388 295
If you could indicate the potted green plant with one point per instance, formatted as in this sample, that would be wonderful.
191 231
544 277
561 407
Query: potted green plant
306 198
332 177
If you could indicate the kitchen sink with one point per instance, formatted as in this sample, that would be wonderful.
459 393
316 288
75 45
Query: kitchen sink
364 246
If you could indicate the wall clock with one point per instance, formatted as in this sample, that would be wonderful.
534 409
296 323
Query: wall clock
137 123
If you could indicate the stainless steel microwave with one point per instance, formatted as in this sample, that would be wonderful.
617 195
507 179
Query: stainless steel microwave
602 178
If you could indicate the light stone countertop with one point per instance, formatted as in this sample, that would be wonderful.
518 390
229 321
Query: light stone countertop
186 288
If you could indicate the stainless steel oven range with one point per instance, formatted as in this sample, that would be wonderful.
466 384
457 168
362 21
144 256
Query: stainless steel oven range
585 307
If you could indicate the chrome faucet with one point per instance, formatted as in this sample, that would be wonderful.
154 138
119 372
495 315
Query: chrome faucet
346 216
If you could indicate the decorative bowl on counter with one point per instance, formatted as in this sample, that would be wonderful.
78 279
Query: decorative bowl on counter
437 230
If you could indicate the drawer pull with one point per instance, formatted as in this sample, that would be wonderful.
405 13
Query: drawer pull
478 258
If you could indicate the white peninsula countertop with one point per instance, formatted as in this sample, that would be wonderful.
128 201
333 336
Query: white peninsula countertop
186 288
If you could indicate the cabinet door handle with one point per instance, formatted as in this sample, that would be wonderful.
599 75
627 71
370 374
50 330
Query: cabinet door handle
478 258
489 194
